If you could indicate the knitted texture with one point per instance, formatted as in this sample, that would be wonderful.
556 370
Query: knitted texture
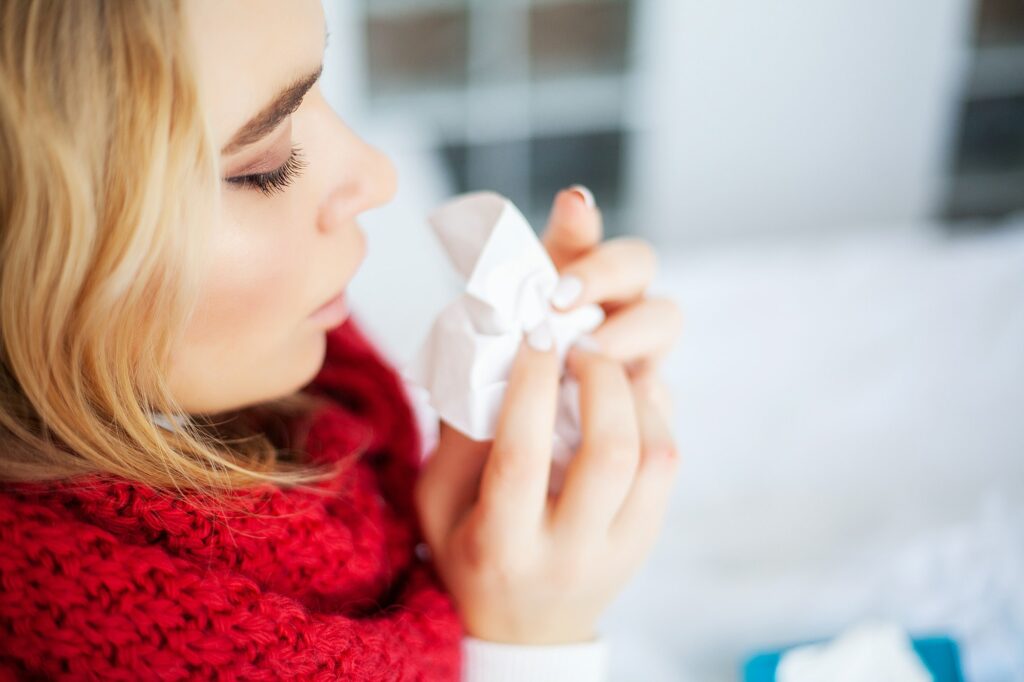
104 578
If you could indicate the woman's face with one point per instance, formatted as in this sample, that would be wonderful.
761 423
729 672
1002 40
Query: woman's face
276 256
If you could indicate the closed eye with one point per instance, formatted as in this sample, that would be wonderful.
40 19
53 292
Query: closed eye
273 181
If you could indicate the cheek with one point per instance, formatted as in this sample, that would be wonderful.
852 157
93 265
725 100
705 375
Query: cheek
252 297
249 340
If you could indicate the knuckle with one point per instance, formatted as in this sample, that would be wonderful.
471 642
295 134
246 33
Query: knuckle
534 369
587 366
616 457
674 459
668 458
643 251
666 462
612 369
623 460
668 312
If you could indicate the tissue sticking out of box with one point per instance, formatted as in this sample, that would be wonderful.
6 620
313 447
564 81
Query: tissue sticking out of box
465 360
868 652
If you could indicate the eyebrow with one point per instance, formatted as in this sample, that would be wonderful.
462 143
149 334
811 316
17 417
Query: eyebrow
270 116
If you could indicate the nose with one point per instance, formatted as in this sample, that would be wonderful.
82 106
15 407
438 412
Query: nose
363 177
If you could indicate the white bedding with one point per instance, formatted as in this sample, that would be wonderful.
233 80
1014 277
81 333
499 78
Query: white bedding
852 418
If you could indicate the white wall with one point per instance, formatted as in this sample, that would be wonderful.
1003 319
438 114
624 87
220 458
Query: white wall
793 115
344 81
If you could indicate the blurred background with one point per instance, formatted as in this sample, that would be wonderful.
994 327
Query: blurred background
836 192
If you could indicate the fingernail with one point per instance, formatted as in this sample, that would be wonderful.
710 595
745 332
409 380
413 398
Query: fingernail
587 343
566 291
585 194
540 337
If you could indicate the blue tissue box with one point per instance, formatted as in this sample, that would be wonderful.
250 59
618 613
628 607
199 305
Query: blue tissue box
939 655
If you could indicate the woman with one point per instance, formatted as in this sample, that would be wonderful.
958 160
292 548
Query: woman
208 470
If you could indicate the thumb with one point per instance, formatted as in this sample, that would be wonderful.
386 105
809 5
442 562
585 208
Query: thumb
448 481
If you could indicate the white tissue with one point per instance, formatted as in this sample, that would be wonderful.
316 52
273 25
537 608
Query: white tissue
870 652
464 362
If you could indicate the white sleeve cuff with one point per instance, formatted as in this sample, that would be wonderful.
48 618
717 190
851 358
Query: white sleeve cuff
484 661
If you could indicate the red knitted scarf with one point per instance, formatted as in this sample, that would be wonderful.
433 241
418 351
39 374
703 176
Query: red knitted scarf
107 579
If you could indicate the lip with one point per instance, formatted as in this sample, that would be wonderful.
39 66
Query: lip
332 312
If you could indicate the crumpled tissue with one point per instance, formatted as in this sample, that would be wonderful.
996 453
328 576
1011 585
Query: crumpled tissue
464 362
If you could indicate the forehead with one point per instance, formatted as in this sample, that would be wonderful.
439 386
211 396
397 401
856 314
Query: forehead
248 50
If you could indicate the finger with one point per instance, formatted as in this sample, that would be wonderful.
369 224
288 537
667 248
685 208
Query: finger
616 271
637 523
598 477
575 226
448 482
514 485
657 392
643 331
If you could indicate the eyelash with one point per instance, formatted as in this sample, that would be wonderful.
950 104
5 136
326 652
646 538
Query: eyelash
275 181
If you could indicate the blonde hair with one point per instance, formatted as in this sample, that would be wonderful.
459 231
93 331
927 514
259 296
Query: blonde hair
108 181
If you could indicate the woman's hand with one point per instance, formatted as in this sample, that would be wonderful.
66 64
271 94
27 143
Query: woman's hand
525 567
638 330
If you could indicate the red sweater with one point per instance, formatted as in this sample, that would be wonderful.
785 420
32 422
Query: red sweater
110 580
